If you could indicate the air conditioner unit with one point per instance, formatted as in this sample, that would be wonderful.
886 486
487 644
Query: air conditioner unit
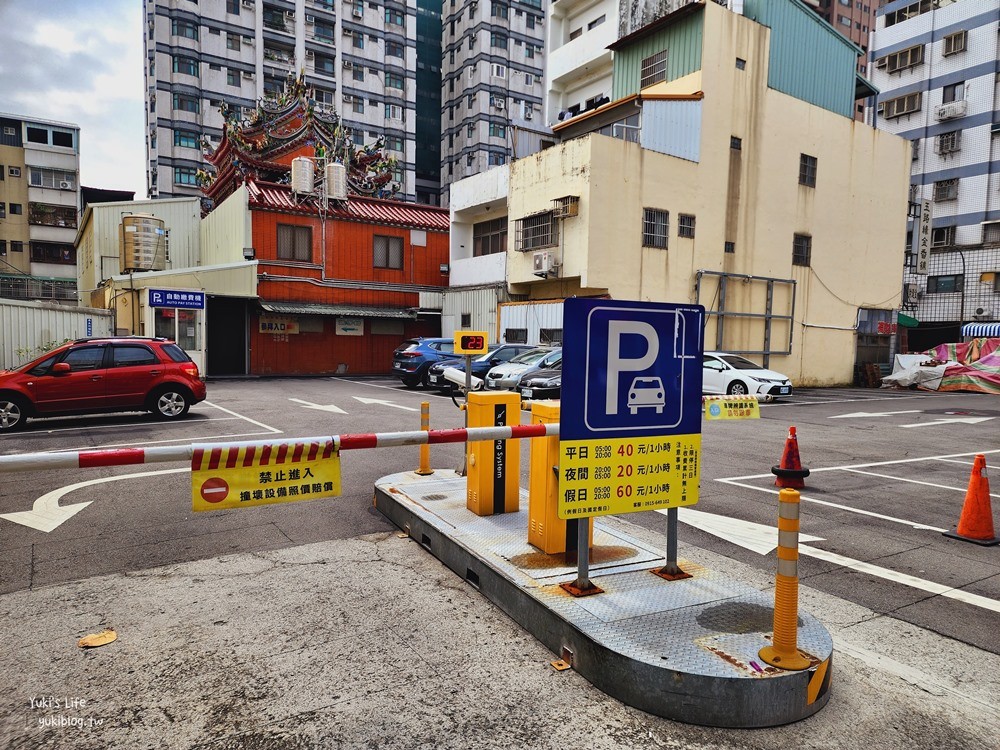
247 3
310 20
499 103
289 14
358 12
348 65
248 74
348 99
543 264
983 312
65 185
527 115
310 54
951 110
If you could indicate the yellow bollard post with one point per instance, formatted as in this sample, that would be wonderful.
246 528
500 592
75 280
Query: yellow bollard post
425 449
783 651
494 466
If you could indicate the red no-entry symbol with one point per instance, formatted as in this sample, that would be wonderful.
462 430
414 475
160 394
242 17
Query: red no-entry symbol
214 490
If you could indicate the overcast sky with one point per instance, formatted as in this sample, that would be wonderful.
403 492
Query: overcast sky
80 61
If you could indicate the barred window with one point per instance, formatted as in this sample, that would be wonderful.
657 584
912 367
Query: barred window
946 190
685 225
388 252
655 225
802 250
515 335
807 170
954 43
294 242
533 232
945 284
948 143
654 69
901 105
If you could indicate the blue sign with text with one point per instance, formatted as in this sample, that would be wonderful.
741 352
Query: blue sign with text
177 298
630 369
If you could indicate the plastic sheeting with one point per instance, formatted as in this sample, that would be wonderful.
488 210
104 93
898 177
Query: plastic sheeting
969 366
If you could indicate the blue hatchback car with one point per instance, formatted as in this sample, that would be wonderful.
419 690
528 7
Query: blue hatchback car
414 357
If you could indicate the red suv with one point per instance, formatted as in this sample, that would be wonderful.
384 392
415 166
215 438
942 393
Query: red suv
85 376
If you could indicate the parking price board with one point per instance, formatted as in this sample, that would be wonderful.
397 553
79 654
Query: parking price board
236 477
630 425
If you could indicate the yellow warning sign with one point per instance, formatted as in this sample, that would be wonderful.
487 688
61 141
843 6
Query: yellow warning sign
223 477
600 477
732 407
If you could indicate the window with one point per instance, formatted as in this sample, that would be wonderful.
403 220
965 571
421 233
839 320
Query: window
358 73
358 107
495 159
394 143
529 50
188 29
85 357
387 252
575 34
533 232
394 17
232 77
685 226
489 237
529 21
233 7
515 335
948 143
991 235
914 149
14 171
807 170
186 139
654 69
655 226
499 10
3 210
498 40
52 178
62 138
529 79
497 130
801 250
16 209
550 336
2 173
595 23
736 144
3 248
902 60
946 190
469 159
131 355
741 64
323 32
185 176
498 71
953 93
233 42
393 80
358 40
901 105
53 252
16 246
393 112
294 243
187 103
186 65
393 49
945 284
954 43
466 321
844 20
37 135
942 236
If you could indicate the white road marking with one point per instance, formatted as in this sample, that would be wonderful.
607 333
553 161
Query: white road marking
251 421
913 481
121 425
392 388
838 506
875 463
755 536
840 400
383 402
46 514
321 407
874 414
956 420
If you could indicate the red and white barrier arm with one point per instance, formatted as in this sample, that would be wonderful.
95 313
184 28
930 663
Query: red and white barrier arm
127 456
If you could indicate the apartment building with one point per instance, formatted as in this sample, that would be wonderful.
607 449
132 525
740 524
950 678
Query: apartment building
937 66
493 84
855 19
359 57
39 195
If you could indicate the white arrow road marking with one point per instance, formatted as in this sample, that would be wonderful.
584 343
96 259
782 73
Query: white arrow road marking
962 420
321 407
874 413
364 400
46 514
762 539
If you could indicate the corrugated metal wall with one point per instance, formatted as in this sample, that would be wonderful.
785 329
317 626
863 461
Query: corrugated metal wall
534 316
683 42
479 304
38 326
672 127
808 60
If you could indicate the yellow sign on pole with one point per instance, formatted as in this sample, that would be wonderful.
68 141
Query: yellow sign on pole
471 342
230 477
732 407
626 475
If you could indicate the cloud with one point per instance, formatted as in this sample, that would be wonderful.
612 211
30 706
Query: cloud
80 62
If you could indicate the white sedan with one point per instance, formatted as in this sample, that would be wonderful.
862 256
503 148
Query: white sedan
736 376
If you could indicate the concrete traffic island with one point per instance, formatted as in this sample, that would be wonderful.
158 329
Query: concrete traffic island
686 650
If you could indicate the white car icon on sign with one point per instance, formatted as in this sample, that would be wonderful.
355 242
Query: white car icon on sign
646 393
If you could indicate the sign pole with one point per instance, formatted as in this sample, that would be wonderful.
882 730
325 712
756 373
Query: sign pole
468 387
672 571
582 554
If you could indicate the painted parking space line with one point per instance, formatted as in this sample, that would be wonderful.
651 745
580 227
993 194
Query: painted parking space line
839 506
275 430
821 401
120 426
912 481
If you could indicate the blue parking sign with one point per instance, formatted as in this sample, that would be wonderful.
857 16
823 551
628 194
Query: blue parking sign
630 369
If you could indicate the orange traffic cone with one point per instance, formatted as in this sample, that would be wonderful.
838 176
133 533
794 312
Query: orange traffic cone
790 472
976 523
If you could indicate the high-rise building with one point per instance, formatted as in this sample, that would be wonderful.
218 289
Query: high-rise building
854 19
39 189
937 64
366 60
493 84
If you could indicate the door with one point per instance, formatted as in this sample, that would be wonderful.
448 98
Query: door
713 377
132 372
83 388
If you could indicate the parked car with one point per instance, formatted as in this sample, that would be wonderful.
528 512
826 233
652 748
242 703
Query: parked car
414 357
734 375
540 384
93 375
480 365
507 376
